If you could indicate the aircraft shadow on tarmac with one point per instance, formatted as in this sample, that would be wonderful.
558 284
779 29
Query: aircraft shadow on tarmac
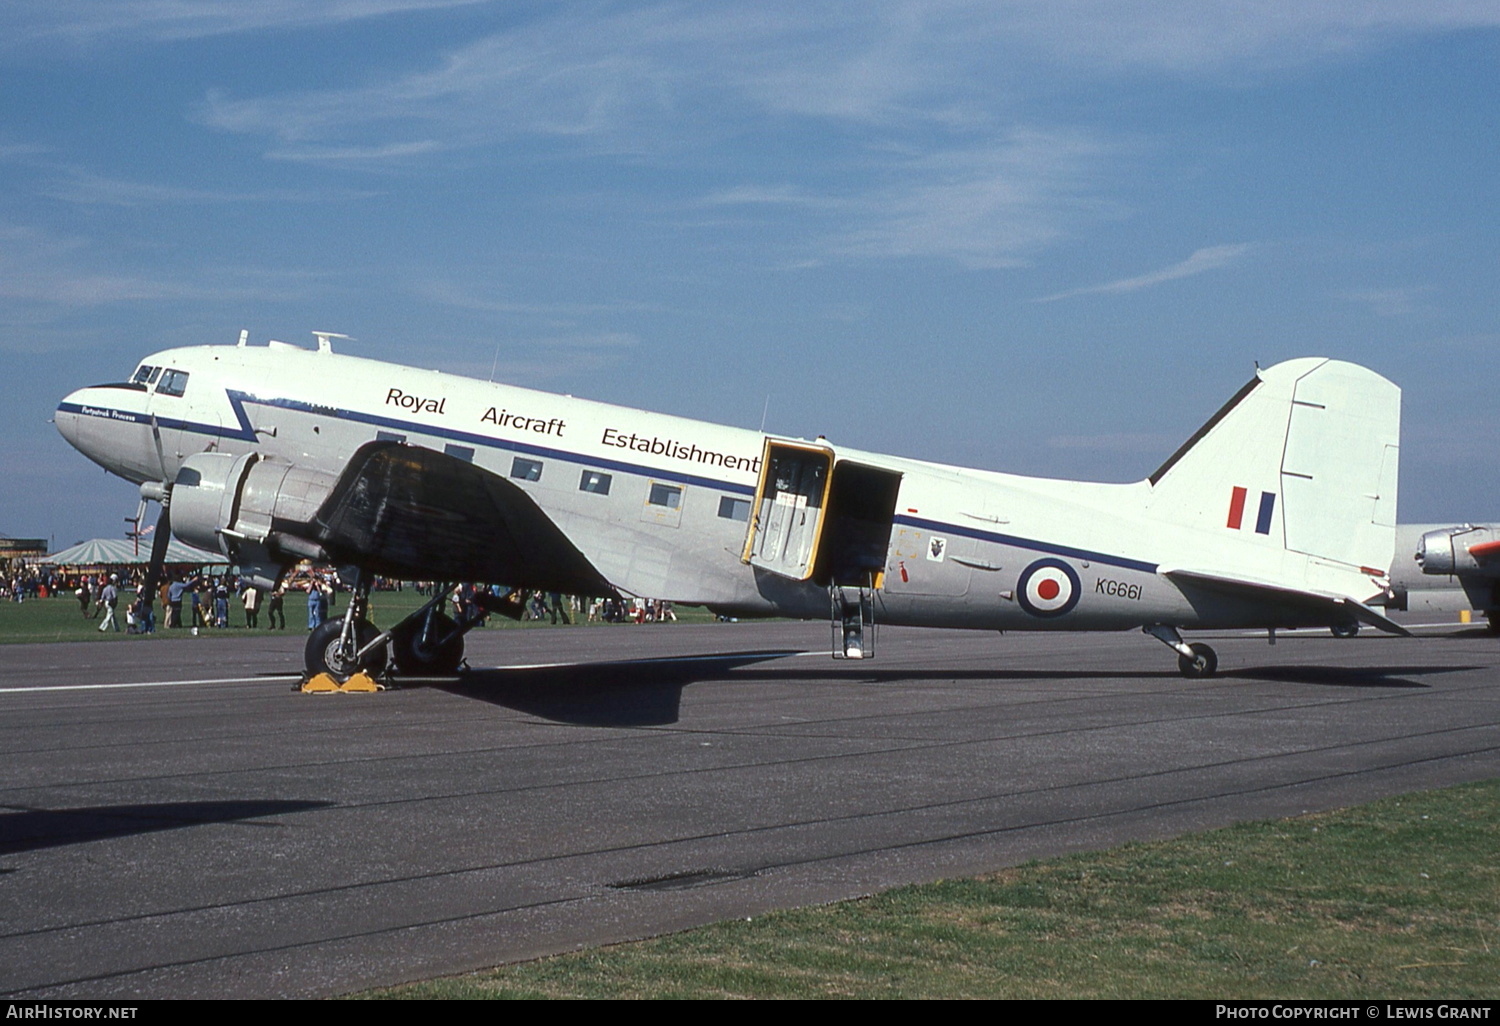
1343 676
30 829
629 693
648 692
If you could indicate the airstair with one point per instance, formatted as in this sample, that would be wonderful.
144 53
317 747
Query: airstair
852 618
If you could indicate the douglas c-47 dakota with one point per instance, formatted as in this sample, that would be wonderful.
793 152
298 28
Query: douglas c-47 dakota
1279 512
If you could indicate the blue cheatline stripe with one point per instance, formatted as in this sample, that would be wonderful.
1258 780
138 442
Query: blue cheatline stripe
1028 543
1263 521
245 432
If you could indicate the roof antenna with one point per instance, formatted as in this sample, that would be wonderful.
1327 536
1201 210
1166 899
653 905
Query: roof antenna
494 364
244 337
765 410
323 337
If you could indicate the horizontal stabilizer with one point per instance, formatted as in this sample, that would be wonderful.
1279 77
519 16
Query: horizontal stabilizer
1298 603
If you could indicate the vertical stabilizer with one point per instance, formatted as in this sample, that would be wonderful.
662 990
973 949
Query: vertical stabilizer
1302 461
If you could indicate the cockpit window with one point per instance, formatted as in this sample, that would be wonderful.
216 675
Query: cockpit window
144 374
173 382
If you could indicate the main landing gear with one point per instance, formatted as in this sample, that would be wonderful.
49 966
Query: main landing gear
1195 660
427 643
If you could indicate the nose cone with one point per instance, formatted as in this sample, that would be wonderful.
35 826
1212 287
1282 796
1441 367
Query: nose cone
110 427
67 416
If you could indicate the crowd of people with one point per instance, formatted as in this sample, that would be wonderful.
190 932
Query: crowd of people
199 601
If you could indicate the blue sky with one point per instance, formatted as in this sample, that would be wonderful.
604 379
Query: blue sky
1042 237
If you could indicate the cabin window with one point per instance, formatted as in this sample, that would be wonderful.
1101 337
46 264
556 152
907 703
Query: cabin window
462 452
669 496
523 469
731 508
389 436
173 382
594 481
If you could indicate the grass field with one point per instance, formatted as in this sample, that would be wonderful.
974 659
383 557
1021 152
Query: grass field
58 619
1397 899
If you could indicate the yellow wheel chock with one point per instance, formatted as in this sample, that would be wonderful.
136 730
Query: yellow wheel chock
325 684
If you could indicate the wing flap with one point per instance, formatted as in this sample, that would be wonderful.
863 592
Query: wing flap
410 512
1338 608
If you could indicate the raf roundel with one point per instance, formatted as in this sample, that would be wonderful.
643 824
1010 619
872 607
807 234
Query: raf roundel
1048 587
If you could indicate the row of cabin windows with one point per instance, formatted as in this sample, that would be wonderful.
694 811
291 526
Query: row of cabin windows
595 481
598 482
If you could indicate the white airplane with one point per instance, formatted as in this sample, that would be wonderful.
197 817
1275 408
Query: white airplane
1279 512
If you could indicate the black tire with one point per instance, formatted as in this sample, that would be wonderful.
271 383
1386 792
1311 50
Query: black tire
1344 630
1203 664
416 657
322 653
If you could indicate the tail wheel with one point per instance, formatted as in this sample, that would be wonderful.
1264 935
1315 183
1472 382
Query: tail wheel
1344 630
431 646
324 653
1203 662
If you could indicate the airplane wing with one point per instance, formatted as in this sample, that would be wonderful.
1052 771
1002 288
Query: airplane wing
410 512
1338 608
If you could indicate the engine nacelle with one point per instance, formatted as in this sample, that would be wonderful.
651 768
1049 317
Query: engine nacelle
1448 551
249 508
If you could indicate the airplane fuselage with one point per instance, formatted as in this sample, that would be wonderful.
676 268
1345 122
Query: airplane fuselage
661 505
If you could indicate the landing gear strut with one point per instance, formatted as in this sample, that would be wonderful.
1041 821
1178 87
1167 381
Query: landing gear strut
328 652
1195 660
428 644
344 647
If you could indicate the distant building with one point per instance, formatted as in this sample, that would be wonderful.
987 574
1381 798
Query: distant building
21 550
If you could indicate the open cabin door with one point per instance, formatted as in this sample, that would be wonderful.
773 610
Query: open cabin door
819 518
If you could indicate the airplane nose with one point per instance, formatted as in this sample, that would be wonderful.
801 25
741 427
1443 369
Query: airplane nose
67 416
97 422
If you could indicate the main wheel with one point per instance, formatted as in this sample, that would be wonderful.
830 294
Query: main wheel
324 654
1203 663
1344 630
430 647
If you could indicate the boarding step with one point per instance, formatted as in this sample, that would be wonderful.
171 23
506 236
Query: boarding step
852 614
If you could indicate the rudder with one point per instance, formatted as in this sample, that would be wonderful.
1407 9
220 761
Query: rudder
1302 459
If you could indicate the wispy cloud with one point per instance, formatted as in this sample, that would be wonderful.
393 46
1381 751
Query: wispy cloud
67 273
83 188
1209 258
89 22
639 76
450 294
985 206
1389 302
766 196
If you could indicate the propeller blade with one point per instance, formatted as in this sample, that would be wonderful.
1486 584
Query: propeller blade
161 456
159 543
135 525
